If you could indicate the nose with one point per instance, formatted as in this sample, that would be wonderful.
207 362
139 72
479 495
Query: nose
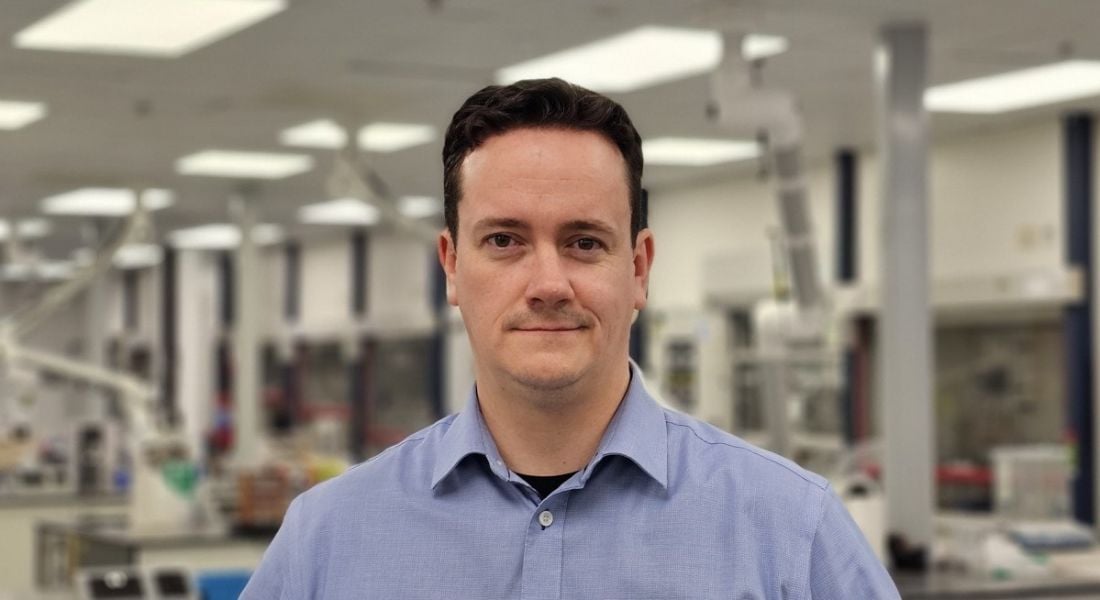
549 285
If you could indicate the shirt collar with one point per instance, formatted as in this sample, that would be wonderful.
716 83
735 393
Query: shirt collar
636 432
467 435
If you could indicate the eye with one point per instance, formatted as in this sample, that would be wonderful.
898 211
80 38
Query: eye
588 244
500 240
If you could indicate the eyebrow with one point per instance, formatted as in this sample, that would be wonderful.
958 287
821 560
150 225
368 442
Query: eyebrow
499 223
586 225
574 225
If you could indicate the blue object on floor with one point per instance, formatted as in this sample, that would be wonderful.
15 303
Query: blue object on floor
221 585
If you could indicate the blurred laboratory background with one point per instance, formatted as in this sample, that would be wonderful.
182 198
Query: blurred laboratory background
874 226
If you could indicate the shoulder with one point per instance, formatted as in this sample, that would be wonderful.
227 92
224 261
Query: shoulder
769 490
701 441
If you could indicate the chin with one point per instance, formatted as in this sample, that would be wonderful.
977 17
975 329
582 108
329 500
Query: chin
546 377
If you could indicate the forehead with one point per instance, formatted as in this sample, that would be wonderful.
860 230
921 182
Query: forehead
549 169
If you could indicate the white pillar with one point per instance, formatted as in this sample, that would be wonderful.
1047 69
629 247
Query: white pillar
905 384
196 321
246 339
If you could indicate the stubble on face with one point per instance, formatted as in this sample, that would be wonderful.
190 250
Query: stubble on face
533 338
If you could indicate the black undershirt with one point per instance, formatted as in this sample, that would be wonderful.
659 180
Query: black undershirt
545 484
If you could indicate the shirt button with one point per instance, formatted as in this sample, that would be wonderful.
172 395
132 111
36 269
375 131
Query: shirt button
546 518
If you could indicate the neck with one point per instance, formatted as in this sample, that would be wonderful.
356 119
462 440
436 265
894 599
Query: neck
550 433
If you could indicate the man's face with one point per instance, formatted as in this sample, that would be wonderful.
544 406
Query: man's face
544 271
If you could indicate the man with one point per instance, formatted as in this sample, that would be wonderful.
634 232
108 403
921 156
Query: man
562 477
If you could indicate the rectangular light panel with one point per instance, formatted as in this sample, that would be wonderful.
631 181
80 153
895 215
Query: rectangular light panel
322 133
138 256
756 46
30 229
391 137
56 269
157 28
16 115
1015 90
47 270
222 236
244 165
696 152
418 207
216 236
342 211
639 58
15 271
266 234
105 202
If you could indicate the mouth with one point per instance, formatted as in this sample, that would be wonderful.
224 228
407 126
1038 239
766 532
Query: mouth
548 329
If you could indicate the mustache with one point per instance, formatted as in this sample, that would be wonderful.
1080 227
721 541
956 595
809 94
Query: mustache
557 319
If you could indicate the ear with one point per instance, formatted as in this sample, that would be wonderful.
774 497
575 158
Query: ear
643 262
447 258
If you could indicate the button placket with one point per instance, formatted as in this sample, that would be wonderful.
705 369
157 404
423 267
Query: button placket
543 550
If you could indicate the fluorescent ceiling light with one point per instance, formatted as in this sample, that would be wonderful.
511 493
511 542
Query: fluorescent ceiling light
216 236
267 234
138 256
16 115
756 46
416 207
26 229
15 271
376 137
158 28
50 270
342 211
105 202
695 152
391 137
58 269
322 133
1058 82
244 165
157 199
629 61
221 236
33 228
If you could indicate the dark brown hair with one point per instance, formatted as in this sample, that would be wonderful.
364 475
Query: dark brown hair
550 103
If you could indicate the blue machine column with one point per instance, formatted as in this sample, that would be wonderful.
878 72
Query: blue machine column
846 168
906 376
1078 140
169 324
358 352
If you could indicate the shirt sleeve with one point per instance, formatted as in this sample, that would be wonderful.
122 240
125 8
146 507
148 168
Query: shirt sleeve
277 577
842 564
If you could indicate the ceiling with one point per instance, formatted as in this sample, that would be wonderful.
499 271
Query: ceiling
124 120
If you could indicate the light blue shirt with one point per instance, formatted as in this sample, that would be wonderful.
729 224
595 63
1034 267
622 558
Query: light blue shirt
669 507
